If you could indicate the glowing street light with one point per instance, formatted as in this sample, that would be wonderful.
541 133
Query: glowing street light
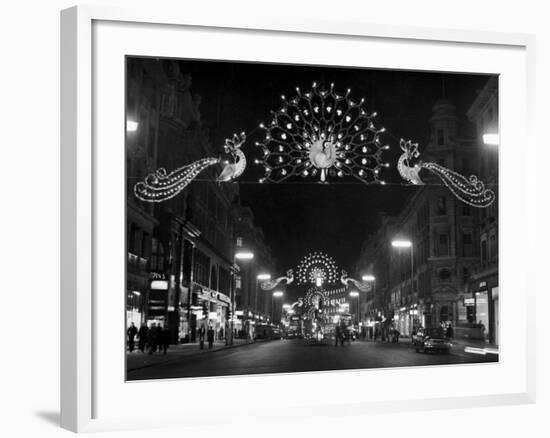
131 125
263 277
277 294
491 139
354 294
287 306
368 278
244 255
401 243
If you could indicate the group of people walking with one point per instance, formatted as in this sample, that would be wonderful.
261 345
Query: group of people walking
152 339
156 338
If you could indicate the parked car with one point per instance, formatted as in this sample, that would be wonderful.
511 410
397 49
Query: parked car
431 340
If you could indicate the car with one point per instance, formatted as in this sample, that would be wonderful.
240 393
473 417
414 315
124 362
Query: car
291 335
431 340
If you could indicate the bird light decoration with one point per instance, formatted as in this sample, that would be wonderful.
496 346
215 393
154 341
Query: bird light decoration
320 133
470 190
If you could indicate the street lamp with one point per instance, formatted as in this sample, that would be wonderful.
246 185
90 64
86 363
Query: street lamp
276 294
239 255
355 294
264 276
372 279
406 244
491 139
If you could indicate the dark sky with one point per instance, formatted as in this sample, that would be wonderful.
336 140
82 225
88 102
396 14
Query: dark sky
335 217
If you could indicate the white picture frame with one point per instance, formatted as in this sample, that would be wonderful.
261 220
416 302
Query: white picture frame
85 176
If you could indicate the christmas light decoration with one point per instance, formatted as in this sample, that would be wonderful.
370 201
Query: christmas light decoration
322 132
272 284
160 185
470 190
363 286
314 297
317 268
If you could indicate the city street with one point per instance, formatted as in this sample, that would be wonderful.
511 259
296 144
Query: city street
297 355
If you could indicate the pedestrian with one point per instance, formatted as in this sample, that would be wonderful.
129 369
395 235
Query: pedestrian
159 337
152 338
142 334
337 336
450 332
131 332
201 337
165 340
210 337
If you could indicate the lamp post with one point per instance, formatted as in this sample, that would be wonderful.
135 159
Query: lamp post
355 294
371 278
276 294
260 277
240 255
406 244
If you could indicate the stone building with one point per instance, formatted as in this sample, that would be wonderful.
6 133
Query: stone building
483 297
423 283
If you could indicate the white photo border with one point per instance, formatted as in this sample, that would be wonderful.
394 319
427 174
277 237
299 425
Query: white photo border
94 43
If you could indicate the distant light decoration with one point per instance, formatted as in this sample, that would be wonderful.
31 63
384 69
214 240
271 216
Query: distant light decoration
315 297
322 133
363 286
161 186
315 266
272 284
470 190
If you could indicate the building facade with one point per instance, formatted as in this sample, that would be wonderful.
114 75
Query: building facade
483 294
179 251
424 283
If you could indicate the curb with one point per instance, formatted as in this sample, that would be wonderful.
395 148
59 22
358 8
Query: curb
227 347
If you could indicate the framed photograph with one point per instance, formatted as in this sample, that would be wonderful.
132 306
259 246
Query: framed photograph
317 216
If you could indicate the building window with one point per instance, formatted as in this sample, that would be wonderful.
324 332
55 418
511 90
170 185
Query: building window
132 239
465 275
442 205
157 256
483 251
440 137
493 247
443 245
467 245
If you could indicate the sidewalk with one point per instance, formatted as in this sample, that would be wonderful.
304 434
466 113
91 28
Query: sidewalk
136 359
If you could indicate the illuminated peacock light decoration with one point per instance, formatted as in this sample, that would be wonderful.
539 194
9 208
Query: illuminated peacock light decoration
470 190
161 186
321 133
317 268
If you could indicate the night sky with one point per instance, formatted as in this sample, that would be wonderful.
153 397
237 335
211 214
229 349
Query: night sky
305 216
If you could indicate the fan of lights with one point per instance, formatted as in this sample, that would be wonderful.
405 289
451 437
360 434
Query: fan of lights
317 268
313 294
471 190
322 132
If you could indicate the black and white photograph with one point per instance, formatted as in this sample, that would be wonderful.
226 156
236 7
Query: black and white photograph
286 218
